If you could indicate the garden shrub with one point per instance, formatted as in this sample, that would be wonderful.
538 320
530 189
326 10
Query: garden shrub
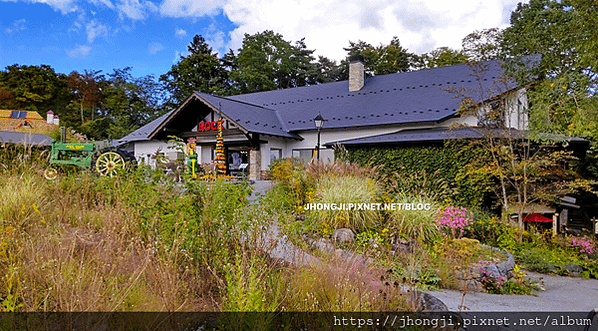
293 177
346 190
431 186
585 244
454 220
417 224
534 259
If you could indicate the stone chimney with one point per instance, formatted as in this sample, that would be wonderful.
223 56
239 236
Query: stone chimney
50 117
356 73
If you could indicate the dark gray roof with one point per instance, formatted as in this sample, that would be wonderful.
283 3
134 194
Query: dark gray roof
419 135
141 134
250 117
417 96
441 134
409 97
27 138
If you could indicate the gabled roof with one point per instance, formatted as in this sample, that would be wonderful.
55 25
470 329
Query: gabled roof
13 120
249 117
142 134
423 96
25 138
408 97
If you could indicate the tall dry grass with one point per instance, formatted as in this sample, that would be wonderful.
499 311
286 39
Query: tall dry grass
341 286
342 191
73 245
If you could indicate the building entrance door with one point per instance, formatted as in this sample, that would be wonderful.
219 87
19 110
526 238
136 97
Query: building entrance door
237 160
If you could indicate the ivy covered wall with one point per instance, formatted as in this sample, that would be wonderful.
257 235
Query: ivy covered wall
458 163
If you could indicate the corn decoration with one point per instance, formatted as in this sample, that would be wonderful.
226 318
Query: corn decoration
219 158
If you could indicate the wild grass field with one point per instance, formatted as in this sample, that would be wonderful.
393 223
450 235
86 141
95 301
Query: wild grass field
140 242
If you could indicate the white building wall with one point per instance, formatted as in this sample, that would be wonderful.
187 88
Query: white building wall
516 114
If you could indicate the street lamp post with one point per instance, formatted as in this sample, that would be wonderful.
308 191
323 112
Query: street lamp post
319 122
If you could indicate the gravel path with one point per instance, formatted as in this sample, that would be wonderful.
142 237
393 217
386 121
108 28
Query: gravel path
284 249
560 294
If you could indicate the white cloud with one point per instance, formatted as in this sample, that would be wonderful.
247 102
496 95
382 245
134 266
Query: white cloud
328 25
64 6
95 29
178 55
155 47
16 26
106 3
134 9
80 51
190 8
215 37
180 33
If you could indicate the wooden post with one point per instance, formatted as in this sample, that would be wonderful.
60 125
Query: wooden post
554 223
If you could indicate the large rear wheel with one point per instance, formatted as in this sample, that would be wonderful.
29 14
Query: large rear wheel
109 162
51 173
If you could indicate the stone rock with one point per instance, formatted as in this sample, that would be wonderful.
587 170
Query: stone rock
324 245
573 269
343 235
400 245
431 303
469 285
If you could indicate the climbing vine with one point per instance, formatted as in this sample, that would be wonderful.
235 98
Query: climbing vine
458 163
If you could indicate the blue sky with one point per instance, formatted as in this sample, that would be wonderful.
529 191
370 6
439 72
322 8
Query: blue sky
149 36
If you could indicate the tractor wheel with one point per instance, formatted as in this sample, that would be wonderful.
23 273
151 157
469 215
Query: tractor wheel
51 173
129 158
108 162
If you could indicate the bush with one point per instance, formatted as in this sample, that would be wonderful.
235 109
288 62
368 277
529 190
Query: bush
341 287
345 190
534 259
453 219
293 177
585 244
417 224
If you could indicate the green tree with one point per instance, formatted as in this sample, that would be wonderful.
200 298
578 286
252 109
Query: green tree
482 45
546 27
562 83
328 71
267 62
37 88
200 70
442 56
383 59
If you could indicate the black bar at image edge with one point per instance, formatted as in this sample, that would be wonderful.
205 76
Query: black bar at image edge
191 321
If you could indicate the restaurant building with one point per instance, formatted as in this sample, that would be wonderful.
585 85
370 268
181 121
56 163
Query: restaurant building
401 108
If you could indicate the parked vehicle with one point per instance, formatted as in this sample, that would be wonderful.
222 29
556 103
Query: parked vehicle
103 161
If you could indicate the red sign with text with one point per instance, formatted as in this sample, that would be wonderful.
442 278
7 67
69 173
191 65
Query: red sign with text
209 126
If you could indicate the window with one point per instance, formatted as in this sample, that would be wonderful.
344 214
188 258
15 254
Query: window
18 114
304 154
275 154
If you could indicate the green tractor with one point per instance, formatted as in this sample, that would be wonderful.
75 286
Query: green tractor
103 161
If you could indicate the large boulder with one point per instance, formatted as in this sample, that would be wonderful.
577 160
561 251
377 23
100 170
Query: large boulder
343 235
